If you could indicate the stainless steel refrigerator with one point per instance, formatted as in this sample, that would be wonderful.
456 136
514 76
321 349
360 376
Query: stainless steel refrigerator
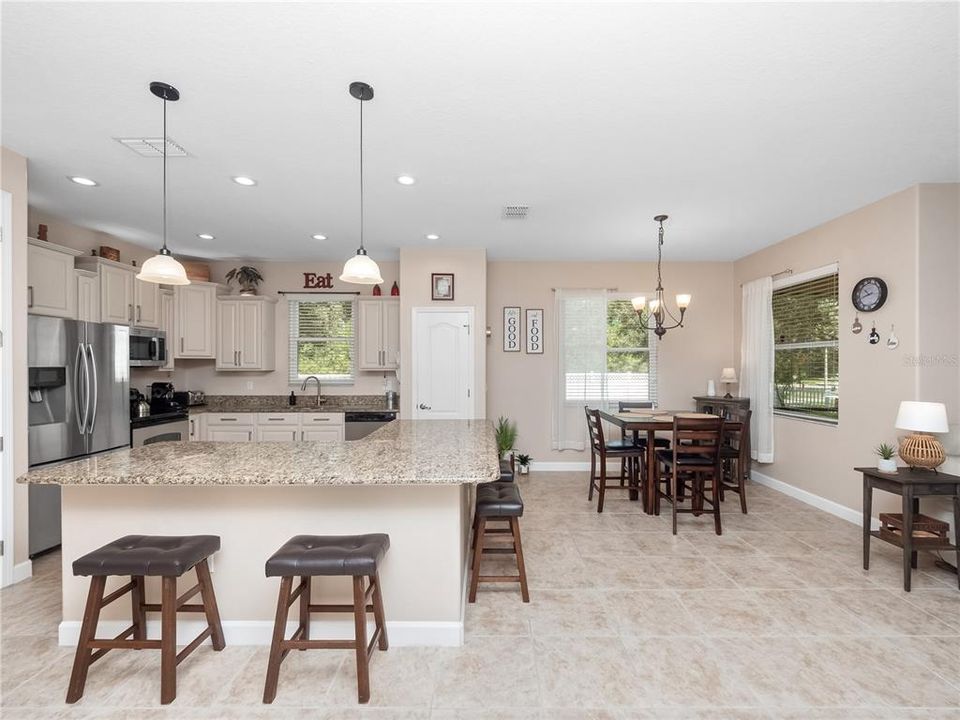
79 378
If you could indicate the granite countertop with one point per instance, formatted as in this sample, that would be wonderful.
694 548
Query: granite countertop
403 452
281 403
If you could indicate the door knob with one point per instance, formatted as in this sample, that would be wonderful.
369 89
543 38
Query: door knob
425 407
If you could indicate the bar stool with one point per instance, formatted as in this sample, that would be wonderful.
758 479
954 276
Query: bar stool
735 453
637 441
137 556
601 449
695 455
498 501
307 556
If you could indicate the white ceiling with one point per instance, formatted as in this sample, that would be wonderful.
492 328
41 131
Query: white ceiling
747 123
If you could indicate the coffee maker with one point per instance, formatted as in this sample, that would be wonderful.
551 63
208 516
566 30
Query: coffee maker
161 398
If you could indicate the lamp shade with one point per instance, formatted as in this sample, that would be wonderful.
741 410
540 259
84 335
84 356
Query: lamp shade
163 268
361 270
928 417
728 375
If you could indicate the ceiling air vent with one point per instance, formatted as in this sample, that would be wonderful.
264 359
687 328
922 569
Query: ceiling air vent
515 212
152 147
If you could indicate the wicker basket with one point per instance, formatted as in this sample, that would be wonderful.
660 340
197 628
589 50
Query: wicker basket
923 451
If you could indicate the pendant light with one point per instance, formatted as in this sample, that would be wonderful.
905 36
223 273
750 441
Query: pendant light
163 267
657 310
361 269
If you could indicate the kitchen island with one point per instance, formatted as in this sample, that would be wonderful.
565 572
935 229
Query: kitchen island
412 479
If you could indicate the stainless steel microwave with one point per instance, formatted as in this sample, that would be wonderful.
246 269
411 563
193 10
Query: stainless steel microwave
148 348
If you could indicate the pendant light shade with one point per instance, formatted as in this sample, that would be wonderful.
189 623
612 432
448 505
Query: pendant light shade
163 267
361 269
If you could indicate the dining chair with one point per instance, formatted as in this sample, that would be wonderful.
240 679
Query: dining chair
695 456
600 449
623 406
735 454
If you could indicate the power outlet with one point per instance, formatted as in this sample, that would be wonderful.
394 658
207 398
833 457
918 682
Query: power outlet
249 384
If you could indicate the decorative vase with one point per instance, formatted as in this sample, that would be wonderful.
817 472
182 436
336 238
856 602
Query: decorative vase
711 388
395 290
248 289
524 469
887 465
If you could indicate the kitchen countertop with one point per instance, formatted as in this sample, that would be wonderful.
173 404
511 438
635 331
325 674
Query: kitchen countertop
403 452
281 404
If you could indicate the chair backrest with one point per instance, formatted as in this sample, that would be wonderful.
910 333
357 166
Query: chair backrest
595 428
742 438
698 436
621 406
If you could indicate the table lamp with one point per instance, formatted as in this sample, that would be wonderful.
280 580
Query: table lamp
728 376
922 450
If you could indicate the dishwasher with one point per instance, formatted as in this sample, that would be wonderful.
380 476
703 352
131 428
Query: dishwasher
358 425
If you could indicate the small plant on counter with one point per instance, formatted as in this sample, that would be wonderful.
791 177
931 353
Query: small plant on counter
506 434
886 453
248 277
523 460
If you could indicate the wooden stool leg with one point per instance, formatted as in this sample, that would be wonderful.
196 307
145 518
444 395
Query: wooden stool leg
276 654
210 608
716 483
673 496
305 610
168 640
88 631
623 471
742 484
602 484
138 597
477 553
521 566
593 474
360 625
378 616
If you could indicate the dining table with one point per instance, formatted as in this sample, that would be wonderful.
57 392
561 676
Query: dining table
649 421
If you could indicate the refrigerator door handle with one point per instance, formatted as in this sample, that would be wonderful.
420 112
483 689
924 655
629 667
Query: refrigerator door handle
96 389
81 421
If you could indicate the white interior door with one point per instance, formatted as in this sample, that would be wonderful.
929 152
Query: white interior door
6 396
443 364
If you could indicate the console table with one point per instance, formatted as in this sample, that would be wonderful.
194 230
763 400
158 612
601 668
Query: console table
725 407
910 485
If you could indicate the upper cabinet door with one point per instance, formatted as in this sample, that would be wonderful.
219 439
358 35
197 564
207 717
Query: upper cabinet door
50 283
116 295
196 321
370 354
88 296
250 338
227 343
391 334
168 324
146 311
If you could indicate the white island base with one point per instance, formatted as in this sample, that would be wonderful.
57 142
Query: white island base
423 573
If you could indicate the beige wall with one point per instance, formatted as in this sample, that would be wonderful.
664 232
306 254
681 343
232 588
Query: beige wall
520 386
13 168
469 266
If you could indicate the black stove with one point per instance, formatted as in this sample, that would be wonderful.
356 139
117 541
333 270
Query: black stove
158 417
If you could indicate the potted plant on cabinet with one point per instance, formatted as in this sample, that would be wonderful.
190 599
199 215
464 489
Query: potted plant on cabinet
248 277
506 434
523 460
886 462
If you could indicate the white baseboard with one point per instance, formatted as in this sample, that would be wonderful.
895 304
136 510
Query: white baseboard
260 632
22 571
571 466
821 503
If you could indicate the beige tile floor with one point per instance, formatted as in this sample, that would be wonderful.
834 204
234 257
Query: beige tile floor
626 621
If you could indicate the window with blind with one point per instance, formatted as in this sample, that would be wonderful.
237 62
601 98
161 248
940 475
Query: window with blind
806 371
322 339
608 355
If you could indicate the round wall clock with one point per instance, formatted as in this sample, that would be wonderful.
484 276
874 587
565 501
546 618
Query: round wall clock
869 294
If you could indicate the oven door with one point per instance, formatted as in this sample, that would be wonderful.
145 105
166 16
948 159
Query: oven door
148 348
173 431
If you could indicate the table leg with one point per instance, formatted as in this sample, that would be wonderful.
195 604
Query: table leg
907 536
956 531
634 480
650 491
867 519
916 511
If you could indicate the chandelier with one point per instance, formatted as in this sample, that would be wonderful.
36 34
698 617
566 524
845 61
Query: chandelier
657 308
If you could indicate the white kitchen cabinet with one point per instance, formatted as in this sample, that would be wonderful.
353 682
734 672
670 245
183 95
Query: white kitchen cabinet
196 320
267 427
116 294
246 333
168 309
327 434
321 427
379 331
229 427
51 287
196 427
146 304
88 295
277 434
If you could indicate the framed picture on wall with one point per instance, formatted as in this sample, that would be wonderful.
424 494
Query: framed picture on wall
511 329
441 286
535 331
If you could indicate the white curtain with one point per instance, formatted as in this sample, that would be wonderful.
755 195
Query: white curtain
581 363
756 364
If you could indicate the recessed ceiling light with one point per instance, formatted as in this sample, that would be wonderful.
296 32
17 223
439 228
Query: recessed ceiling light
431 236
406 180
319 237
205 236
245 181
86 182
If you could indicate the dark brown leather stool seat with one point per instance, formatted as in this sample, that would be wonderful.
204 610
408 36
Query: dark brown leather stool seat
498 499
666 457
147 555
307 556
506 471
138 556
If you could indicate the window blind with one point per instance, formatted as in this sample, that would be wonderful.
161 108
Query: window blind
322 336
807 347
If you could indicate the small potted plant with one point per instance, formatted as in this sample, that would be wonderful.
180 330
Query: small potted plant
506 434
248 278
886 462
523 461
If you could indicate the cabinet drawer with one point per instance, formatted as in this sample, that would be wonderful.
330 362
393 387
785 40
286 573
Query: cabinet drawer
278 419
229 419
322 419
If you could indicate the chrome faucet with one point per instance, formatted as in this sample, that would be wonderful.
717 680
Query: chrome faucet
304 386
